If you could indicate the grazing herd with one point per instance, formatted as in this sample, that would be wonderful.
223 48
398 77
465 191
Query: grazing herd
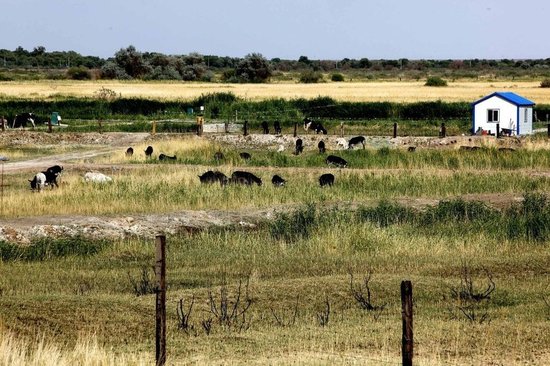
50 175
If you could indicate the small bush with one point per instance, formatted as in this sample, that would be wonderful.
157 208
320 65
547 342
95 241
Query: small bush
435 81
531 219
545 83
44 249
294 226
79 73
337 77
311 77
386 213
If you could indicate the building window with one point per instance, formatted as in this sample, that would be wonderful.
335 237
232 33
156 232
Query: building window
525 115
493 115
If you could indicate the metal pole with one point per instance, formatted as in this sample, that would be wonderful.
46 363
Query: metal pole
160 271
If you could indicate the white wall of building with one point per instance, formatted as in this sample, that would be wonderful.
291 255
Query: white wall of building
508 116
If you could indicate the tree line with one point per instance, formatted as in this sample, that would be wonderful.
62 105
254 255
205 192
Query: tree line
130 63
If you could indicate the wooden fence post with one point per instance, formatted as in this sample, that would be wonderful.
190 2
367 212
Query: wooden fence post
160 272
395 130
245 128
497 134
341 129
548 132
407 315
2 121
295 129
443 130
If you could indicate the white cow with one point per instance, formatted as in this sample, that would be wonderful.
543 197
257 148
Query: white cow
38 182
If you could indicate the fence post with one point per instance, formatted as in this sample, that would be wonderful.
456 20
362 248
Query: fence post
548 128
245 128
295 129
2 123
342 129
394 129
407 315
443 130
160 272
497 134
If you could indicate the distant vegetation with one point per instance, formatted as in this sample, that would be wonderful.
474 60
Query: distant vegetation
435 81
130 63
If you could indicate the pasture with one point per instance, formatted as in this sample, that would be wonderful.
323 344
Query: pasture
376 91
450 220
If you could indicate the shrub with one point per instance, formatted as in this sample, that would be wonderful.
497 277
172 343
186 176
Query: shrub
294 226
337 77
386 213
435 81
545 83
310 77
79 73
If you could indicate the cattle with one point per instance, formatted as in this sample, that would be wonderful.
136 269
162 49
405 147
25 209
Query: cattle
356 141
51 175
22 119
246 178
277 127
245 156
321 146
278 181
218 156
213 177
315 126
299 147
163 157
96 177
38 182
342 143
326 180
265 127
149 151
336 161
411 149
129 152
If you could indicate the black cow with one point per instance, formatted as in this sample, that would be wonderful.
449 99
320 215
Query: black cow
245 156
355 141
337 161
321 146
129 152
326 180
149 151
278 181
299 147
22 119
277 127
213 177
245 178
411 149
265 127
167 157
56 169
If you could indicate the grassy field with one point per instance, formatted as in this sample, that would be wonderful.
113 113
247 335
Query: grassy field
78 301
392 91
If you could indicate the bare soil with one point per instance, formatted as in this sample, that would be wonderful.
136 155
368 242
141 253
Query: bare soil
24 230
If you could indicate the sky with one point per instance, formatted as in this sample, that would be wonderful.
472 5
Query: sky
288 29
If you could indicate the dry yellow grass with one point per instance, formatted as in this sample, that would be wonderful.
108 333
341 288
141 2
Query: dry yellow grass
393 91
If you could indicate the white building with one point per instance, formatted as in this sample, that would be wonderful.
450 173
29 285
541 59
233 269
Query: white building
511 112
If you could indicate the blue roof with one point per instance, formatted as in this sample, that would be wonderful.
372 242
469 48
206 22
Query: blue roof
510 97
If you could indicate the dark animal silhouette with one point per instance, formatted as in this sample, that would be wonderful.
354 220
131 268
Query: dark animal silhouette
167 157
277 127
411 149
265 127
315 126
299 147
149 151
129 152
22 119
56 169
336 161
218 156
356 141
245 156
278 181
321 146
326 180
213 177
246 178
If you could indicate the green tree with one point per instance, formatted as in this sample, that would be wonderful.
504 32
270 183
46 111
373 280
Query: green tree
132 62
254 68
